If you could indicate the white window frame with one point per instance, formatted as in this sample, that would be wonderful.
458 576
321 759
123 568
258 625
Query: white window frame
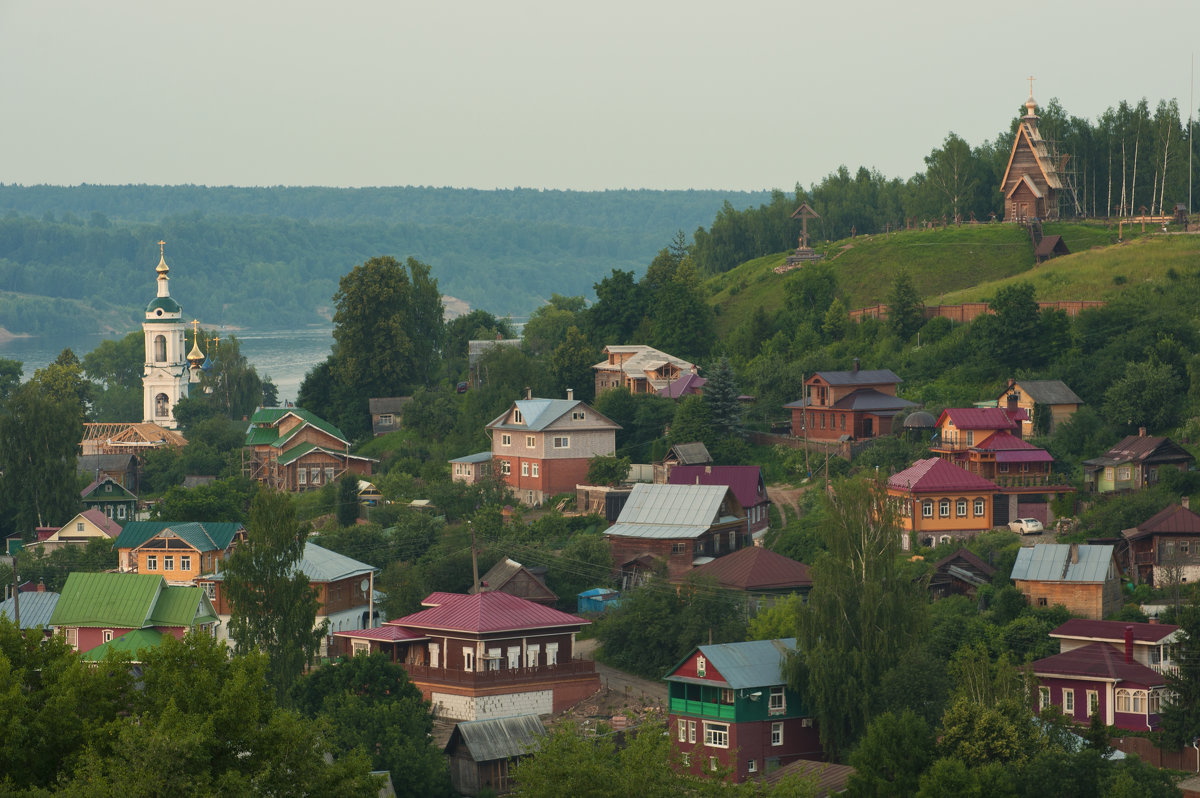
777 701
315 475
943 508
525 469
518 418
980 507
1043 697
532 652
301 476
506 440
682 730
927 508
535 469
514 657
1093 699
530 442
691 731
960 508
752 766
493 659
468 658
505 467
562 442
552 653
435 652
777 733
120 512
168 562
108 635
701 666
329 473
185 562
151 562
1068 694
716 735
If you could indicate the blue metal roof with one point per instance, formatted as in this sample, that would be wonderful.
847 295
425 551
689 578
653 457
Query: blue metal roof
756 663
478 457
36 608
1052 562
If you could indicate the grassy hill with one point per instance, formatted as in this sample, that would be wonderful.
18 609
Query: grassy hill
965 264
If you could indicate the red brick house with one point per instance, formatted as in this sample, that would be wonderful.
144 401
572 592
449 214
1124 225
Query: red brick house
541 447
730 708
486 655
746 482
682 526
856 404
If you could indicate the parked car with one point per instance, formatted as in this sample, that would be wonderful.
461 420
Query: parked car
1026 526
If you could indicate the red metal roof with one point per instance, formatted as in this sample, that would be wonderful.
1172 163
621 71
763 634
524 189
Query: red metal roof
1173 519
1114 631
388 632
487 612
756 568
1098 660
1026 456
935 474
745 481
438 598
981 417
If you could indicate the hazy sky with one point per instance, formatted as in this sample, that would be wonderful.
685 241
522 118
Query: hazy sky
617 94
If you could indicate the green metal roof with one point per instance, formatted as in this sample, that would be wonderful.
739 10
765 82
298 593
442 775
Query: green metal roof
259 436
265 420
182 606
204 536
295 453
166 303
119 600
134 642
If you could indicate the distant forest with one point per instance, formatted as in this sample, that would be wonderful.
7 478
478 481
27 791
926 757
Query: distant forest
81 259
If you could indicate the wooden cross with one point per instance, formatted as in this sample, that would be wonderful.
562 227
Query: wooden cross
161 244
1031 79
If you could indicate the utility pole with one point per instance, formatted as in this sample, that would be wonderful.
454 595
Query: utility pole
474 560
16 596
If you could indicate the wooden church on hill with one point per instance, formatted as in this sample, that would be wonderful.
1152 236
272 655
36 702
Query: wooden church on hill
1031 182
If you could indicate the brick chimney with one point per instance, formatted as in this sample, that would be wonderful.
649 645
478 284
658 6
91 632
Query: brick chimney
1152 619
570 393
1128 644
1186 502
528 392
855 365
1141 432
41 586
1074 553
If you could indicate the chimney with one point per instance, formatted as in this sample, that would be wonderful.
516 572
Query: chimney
1128 644
570 393
1186 501
1152 619
528 392
1141 432
1074 553
41 586
855 365
708 469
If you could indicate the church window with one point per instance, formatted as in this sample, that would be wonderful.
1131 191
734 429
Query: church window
162 405
160 349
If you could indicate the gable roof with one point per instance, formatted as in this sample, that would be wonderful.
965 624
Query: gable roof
182 605
541 413
119 600
1028 133
1011 449
669 511
1052 562
217 534
857 377
645 358
492 611
1047 392
133 642
322 565
1142 448
755 663
36 608
746 482
478 457
830 778
756 568
935 474
122 493
387 404
968 558
687 384
97 518
505 570
1098 660
498 738
1174 519
264 425
1114 631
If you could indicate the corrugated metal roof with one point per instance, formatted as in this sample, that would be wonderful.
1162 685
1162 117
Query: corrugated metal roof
388 632
1051 562
220 533
868 399
935 474
1098 660
685 505
488 612
133 643
860 377
498 738
746 482
121 600
322 565
541 413
978 418
478 457
179 605
1048 392
36 608
695 453
755 663
1114 631
1172 519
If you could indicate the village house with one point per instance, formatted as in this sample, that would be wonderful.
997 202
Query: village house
345 590
1031 183
1108 668
1134 463
121 467
95 609
960 429
482 752
111 498
682 526
640 369
1083 578
82 529
746 482
690 384
386 413
485 655
33 606
541 447
681 454
1164 549
471 468
178 552
509 576
730 708
937 501
959 574
291 449
761 576
1040 396
847 405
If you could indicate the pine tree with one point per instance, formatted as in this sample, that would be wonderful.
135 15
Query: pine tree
721 396
1181 715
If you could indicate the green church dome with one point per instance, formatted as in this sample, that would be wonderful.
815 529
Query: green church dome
165 304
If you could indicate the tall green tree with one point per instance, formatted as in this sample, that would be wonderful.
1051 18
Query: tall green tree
861 615
571 364
692 422
115 366
951 174
39 434
64 379
721 396
273 606
1181 715
906 311
347 500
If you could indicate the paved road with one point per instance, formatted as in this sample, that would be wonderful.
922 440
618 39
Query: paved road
634 687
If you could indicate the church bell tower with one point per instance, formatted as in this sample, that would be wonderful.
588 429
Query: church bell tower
166 377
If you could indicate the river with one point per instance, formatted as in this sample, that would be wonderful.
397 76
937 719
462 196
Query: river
283 355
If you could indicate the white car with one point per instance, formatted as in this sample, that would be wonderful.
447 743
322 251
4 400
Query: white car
1026 526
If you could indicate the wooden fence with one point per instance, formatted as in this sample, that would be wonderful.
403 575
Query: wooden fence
969 311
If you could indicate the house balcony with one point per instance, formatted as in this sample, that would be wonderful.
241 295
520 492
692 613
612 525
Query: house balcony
705 709
1165 669
1051 482
493 678
1144 558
